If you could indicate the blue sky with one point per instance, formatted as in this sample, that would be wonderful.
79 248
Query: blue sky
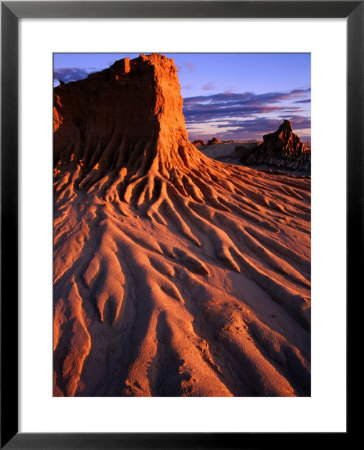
231 96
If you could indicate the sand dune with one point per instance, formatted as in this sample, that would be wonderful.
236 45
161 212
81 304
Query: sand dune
174 274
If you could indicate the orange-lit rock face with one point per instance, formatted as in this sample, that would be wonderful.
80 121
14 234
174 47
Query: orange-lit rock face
174 275
120 116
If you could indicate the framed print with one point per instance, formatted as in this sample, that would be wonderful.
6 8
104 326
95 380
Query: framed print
173 263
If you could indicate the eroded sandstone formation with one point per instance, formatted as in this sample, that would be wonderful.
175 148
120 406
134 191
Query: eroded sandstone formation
174 274
281 149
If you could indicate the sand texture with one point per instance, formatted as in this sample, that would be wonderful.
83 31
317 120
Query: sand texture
174 274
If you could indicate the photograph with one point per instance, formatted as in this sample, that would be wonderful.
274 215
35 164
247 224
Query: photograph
162 241
181 224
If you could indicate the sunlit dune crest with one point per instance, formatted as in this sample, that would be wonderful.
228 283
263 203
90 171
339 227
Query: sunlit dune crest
174 274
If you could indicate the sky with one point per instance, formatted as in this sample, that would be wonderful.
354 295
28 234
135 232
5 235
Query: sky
239 96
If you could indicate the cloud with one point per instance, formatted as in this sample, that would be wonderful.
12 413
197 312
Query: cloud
68 74
212 112
246 115
185 66
228 105
307 100
201 109
190 66
229 99
254 128
299 122
263 124
208 86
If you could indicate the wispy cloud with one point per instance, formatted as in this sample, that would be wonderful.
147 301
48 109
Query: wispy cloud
250 129
265 125
208 86
185 66
68 74
246 115
307 100
190 66
228 103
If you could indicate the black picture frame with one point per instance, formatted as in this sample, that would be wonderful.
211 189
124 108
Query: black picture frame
11 12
